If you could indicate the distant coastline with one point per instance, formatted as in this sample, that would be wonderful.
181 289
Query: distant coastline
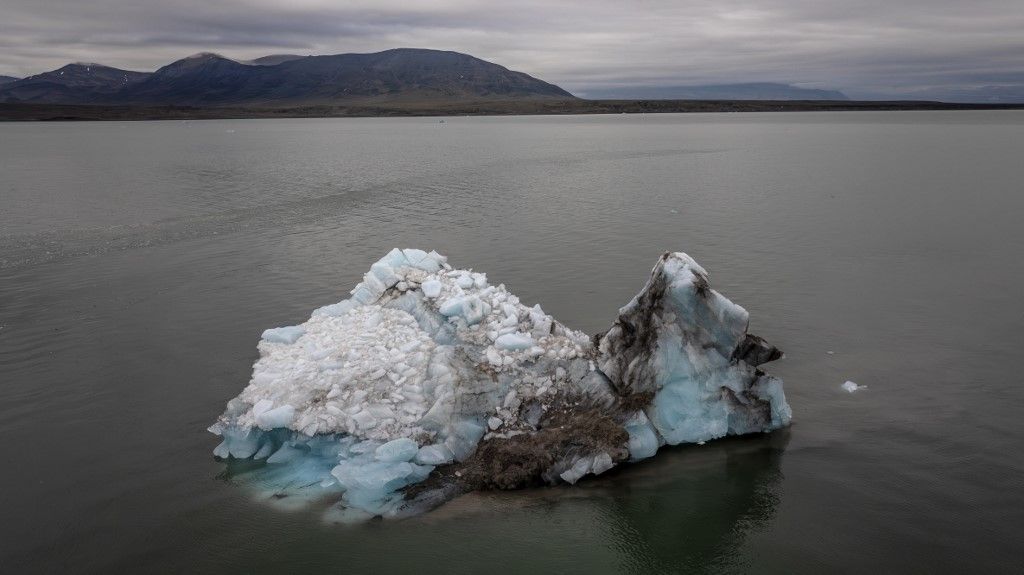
395 82
521 107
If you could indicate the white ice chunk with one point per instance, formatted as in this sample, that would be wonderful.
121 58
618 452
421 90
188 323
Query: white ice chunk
851 387
437 454
261 406
385 274
578 470
431 288
288 335
370 485
463 437
277 417
464 280
470 308
643 440
336 309
415 257
402 449
364 420
514 341
602 462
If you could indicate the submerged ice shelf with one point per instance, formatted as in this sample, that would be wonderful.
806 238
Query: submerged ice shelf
429 382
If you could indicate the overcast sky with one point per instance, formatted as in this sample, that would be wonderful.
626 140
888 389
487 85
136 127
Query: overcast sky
860 46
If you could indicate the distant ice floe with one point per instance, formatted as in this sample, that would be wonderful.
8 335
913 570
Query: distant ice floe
852 387
429 382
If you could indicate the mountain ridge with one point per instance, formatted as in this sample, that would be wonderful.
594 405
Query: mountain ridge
73 83
209 79
735 91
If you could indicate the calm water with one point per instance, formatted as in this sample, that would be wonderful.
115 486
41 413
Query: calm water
140 261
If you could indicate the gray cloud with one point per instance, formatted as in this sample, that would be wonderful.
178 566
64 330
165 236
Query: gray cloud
869 47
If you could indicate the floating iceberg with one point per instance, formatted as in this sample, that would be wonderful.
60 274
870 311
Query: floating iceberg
429 382
852 387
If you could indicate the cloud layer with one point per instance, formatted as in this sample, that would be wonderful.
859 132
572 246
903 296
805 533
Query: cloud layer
866 47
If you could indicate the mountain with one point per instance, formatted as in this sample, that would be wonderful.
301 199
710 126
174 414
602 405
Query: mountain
73 84
1013 94
747 91
208 79
402 74
201 79
409 74
7 80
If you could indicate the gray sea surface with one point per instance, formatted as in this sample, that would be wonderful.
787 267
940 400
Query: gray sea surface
140 261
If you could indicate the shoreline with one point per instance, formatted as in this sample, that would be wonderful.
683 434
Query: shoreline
88 112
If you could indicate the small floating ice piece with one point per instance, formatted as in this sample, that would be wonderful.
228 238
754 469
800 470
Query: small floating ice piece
852 387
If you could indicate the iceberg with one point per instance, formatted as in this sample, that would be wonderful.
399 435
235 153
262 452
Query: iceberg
852 387
430 381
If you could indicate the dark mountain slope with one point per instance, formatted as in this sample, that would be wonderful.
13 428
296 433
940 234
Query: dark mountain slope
202 79
72 84
406 74
409 73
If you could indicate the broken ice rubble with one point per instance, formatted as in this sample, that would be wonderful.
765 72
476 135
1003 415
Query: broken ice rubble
429 382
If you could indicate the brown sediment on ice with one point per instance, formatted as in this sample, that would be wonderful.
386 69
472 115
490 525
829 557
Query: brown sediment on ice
538 458
570 428
565 433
